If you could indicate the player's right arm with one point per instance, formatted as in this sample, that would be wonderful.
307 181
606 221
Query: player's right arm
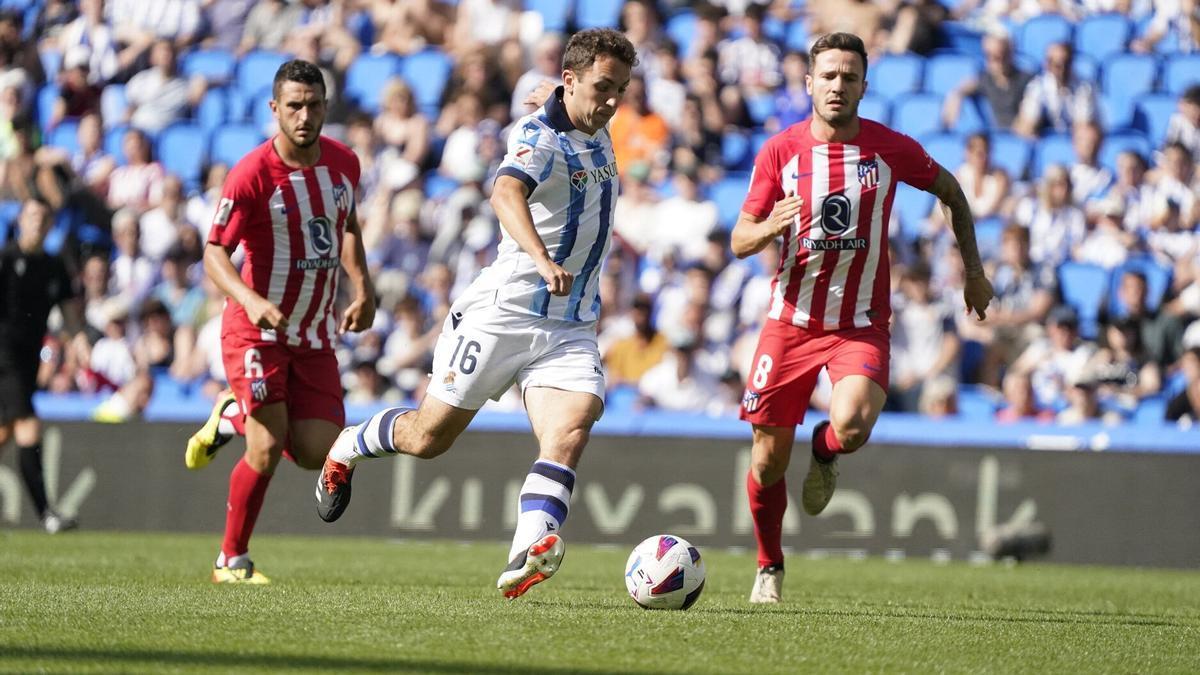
752 233
767 213
510 202
238 202
261 312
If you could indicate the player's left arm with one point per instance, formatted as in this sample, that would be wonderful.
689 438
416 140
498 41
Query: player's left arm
977 290
360 314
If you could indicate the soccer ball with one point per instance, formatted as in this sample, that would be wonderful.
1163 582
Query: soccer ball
664 572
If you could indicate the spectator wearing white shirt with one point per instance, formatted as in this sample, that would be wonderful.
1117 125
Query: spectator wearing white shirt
90 32
1055 100
1088 178
751 61
1055 224
1184 125
924 341
1058 359
546 67
137 184
685 219
158 95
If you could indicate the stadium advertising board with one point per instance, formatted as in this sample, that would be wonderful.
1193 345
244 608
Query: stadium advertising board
1101 508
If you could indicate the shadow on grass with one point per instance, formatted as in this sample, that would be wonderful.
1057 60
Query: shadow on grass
965 615
120 659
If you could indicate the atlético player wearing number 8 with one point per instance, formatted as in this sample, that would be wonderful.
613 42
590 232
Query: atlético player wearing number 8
826 186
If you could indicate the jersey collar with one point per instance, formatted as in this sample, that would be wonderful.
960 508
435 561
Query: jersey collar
556 112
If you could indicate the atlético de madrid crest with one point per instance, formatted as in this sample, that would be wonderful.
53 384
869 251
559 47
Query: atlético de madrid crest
868 173
341 197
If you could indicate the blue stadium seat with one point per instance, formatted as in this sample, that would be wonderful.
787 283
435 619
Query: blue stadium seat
945 72
681 28
796 38
554 13
917 114
113 104
1040 32
875 108
1158 281
621 399
260 112
1180 71
1055 149
114 138
9 210
735 151
1151 411
1085 69
51 63
438 186
946 149
894 75
180 149
729 193
215 65
65 136
426 73
213 110
236 104
47 97
1115 144
1129 75
1153 114
973 116
1102 35
367 76
1083 287
912 207
987 236
257 70
230 143
63 224
761 108
1011 152
976 404
1116 111
598 13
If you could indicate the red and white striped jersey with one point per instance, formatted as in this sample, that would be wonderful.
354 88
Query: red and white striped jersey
290 223
833 267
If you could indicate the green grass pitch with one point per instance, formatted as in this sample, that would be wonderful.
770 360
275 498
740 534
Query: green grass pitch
113 602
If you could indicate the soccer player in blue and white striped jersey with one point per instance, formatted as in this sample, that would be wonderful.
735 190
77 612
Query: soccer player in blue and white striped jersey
530 317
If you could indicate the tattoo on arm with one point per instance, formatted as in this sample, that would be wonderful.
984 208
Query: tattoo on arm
958 213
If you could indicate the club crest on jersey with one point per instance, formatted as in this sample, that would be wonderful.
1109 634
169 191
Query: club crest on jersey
579 180
258 390
341 197
868 173
750 400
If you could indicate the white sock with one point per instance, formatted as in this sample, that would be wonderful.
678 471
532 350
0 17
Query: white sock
544 503
372 438
222 561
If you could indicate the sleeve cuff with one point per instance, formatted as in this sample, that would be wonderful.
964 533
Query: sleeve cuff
519 175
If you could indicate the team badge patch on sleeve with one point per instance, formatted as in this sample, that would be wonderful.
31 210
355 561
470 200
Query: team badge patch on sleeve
224 210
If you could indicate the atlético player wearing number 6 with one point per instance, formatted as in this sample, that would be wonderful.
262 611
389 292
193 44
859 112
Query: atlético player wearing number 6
289 204
826 186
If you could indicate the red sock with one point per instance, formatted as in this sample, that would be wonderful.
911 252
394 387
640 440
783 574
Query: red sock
767 505
247 488
825 443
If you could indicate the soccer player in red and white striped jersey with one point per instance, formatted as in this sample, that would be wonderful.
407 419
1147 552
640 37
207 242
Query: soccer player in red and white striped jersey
826 186
289 204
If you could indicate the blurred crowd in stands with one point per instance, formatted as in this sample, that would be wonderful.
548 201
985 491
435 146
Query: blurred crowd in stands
1073 126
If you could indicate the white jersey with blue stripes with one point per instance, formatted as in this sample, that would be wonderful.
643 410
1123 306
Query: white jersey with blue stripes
572 178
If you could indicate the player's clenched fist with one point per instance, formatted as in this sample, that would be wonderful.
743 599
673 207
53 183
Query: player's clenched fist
359 316
264 314
784 214
558 280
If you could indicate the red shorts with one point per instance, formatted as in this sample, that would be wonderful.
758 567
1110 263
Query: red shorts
261 373
789 358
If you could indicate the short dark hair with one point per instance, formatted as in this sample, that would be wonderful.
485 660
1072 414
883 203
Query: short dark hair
585 46
300 71
1192 94
845 41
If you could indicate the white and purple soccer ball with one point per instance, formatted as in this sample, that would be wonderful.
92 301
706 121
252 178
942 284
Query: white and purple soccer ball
665 572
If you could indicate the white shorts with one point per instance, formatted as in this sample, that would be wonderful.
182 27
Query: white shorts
484 349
